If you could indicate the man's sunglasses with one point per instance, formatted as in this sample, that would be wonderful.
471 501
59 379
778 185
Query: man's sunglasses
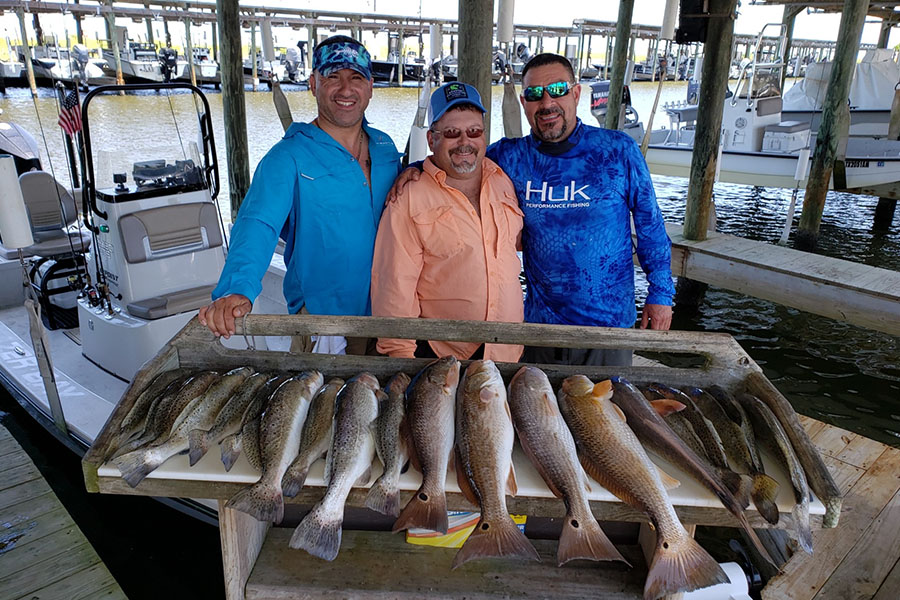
451 133
534 93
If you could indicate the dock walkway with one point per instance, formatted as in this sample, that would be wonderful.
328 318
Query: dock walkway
846 291
43 553
860 558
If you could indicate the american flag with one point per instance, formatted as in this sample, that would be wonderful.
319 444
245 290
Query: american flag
70 115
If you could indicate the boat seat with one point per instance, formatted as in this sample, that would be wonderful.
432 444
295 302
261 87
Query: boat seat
167 231
171 304
51 211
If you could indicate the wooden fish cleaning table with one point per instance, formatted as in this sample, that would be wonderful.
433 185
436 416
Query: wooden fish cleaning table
379 565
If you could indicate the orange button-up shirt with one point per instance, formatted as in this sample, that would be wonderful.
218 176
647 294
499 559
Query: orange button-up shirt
435 258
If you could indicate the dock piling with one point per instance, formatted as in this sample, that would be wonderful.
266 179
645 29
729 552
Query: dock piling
615 113
835 119
476 33
26 51
233 105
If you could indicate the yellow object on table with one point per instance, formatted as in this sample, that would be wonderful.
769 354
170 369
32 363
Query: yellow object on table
461 524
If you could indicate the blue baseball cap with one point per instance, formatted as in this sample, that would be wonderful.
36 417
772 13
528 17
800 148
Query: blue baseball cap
453 94
343 53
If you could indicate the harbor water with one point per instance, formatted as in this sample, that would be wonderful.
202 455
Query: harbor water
829 370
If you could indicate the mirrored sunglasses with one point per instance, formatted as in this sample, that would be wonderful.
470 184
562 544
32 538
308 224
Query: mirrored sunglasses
452 133
534 93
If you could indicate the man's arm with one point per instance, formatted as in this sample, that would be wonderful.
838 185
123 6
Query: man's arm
396 266
654 249
253 237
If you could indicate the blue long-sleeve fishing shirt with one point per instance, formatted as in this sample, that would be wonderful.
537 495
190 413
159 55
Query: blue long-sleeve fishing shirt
312 193
577 197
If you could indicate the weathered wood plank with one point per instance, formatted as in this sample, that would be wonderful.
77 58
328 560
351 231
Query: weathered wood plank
803 576
376 565
242 537
33 541
92 583
889 587
861 573
14 461
845 474
861 452
812 426
831 441
29 508
35 576
22 492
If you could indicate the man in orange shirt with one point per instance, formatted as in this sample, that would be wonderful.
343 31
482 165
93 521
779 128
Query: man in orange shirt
447 248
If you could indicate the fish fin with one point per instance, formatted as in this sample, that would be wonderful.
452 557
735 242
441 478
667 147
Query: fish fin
487 394
618 412
549 405
501 538
603 390
800 514
136 465
328 467
590 468
231 449
262 501
198 443
585 539
665 407
669 482
512 487
424 510
317 535
464 485
293 479
738 484
363 479
384 497
763 494
542 471
681 566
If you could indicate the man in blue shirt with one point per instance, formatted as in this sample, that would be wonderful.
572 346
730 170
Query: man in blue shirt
321 189
579 187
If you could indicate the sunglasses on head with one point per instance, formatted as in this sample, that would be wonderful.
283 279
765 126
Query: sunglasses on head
451 133
534 93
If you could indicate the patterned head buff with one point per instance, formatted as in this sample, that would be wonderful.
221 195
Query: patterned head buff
338 55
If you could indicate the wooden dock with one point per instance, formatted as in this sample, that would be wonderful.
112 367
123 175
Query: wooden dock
860 558
43 553
846 291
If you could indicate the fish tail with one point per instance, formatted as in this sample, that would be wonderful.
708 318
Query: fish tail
497 538
583 538
424 510
293 480
763 493
231 449
262 501
136 465
198 442
754 539
318 534
801 522
384 497
681 566
738 484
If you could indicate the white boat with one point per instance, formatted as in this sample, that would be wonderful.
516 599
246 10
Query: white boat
161 249
267 71
12 69
206 70
53 63
142 62
760 147
871 93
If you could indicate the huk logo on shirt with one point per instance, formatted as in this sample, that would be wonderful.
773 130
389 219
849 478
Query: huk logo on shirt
544 195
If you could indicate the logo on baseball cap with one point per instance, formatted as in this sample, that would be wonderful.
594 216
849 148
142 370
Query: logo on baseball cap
343 53
453 94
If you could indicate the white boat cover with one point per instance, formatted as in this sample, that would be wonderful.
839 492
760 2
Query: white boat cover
872 87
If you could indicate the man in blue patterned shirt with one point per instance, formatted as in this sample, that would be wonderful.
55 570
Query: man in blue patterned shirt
579 187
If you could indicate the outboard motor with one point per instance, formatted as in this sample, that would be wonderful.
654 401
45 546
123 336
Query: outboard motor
168 62
293 62
523 53
18 143
80 60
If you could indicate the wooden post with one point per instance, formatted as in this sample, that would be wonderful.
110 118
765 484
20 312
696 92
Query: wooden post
788 18
215 43
254 74
233 106
26 51
189 50
165 29
79 34
714 81
606 56
835 114
885 34
617 79
149 23
476 33
114 41
884 210
579 59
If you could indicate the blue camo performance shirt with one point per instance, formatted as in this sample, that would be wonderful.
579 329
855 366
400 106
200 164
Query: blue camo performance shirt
312 193
576 241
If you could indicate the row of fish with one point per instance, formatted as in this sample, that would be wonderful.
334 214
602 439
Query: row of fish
284 424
